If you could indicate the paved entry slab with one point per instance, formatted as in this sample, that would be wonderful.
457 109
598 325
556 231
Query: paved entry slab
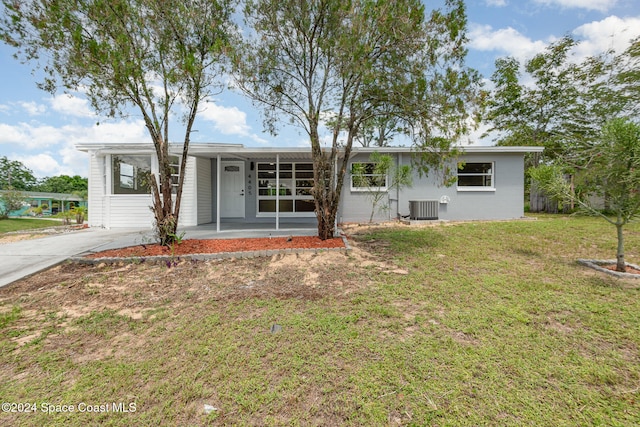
25 257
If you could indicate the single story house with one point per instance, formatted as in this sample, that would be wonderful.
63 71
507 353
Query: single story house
49 203
231 183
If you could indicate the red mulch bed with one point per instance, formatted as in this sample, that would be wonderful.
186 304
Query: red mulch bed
211 246
629 270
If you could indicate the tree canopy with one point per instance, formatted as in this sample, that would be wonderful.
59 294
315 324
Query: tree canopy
337 66
161 58
63 184
554 101
613 175
14 174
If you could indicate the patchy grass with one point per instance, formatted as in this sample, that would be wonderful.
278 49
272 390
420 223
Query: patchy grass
18 224
469 324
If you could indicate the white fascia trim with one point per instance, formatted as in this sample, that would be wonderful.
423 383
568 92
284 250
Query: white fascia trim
464 149
476 189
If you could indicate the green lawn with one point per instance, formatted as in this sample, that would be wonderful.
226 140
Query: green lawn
18 224
470 324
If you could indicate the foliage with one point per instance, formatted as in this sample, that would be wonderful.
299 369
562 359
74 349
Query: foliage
80 212
14 174
160 57
10 200
556 102
62 184
379 130
382 165
567 103
612 172
37 211
66 216
345 65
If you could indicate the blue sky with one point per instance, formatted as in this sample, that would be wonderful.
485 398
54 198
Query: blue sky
41 130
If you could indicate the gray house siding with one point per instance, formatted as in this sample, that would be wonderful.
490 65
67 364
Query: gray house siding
494 189
504 201
356 206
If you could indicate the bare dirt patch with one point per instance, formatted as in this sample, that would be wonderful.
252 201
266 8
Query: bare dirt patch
56 299
10 238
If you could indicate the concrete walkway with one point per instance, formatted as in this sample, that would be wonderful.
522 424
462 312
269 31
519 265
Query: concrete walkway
25 257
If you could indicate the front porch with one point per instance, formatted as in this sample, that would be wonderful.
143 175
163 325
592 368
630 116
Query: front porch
256 227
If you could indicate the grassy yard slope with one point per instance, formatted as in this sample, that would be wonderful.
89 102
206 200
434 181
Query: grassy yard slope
17 224
470 324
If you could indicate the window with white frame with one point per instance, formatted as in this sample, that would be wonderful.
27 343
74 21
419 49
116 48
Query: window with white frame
476 176
366 177
294 192
130 174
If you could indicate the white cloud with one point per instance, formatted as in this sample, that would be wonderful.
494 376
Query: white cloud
56 146
33 108
37 136
30 136
42 164
610 33
497 3
130 131
229 121
507 41
75 162
71 105
599 5
595 37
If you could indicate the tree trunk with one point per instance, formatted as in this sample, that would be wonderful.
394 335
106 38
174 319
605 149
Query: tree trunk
326 225
620 264
324 195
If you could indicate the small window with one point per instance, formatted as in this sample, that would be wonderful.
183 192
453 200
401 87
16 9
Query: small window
131 174
365 177
475 176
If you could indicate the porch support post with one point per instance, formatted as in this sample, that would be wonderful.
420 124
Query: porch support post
218 167
277 192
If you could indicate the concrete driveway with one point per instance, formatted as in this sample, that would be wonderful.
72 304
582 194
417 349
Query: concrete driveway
25 257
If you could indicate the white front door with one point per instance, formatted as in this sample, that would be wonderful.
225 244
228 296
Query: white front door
232 190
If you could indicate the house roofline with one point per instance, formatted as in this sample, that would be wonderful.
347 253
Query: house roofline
67 197
196 149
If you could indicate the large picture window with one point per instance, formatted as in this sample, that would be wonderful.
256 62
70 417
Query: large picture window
130 174
476 176
294 191
365 177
